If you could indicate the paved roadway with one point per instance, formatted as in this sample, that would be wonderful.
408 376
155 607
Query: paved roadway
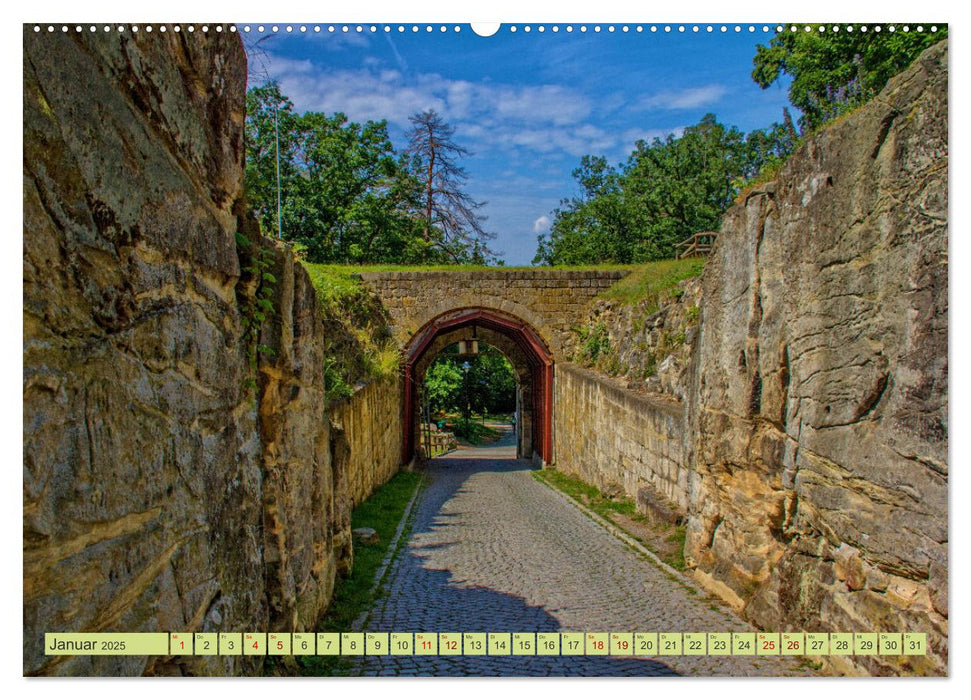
493 550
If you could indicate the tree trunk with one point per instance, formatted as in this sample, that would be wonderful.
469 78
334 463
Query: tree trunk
428 186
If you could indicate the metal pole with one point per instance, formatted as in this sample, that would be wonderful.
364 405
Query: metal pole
276 131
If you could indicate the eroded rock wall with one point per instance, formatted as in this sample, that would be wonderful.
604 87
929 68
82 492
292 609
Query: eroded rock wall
646 345
161 456
305 503
819 493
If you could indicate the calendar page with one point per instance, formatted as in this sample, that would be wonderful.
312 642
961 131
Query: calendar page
436 349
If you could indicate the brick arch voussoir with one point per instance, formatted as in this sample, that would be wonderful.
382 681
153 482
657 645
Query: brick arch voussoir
537 322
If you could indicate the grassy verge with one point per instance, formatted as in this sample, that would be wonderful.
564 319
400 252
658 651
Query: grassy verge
665 540
356 593
474 432
498 417
651 282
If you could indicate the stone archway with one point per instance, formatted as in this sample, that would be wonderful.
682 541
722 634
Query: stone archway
515 338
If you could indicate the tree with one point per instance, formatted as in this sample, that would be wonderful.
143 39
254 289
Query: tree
685 184
491 381
667 190
599 225
450 217
269 120
443 385
833 72
346 195
354 201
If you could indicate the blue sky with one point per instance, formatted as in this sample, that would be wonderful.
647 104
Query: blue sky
527 105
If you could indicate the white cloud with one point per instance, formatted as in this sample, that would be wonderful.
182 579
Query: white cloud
687 98
544 118
512 217
360 94
541 225
545 103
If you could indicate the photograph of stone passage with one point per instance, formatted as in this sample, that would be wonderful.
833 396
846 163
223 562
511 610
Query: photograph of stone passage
331 332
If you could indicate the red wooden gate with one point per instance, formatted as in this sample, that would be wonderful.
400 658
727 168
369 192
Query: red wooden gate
538 358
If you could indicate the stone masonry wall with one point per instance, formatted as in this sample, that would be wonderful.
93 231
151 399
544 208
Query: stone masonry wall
608 435
551 301
819 417
161 491
369 423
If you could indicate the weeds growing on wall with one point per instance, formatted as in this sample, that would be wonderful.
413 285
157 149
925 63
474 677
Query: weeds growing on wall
653 282
255 263
357 330
594 343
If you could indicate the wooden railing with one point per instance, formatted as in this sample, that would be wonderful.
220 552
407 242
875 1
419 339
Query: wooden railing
435 442
699 244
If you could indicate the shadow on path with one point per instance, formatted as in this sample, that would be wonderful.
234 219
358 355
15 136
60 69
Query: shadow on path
425 594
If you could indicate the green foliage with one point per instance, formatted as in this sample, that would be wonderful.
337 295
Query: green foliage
647 286
587 494
443 386
471 430
269 120
489 385
346 195
650 365
667 190
594 343
677 536
382 358
693 314
833 72
667 541
359 345
335 385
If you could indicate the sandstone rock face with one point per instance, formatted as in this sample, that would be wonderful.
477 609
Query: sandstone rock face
154 480
141 459
819 415
306 509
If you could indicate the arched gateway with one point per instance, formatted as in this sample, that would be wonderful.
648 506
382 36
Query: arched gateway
527 314
515 338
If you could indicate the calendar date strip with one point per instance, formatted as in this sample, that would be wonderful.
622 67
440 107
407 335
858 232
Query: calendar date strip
638 644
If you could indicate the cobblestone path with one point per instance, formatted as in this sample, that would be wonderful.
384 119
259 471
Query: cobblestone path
493 550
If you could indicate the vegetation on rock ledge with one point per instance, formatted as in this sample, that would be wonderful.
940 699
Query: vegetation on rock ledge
360 346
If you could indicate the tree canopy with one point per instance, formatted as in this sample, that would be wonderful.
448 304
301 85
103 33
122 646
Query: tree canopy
672 188
835 71
667 190
489 385
347 196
